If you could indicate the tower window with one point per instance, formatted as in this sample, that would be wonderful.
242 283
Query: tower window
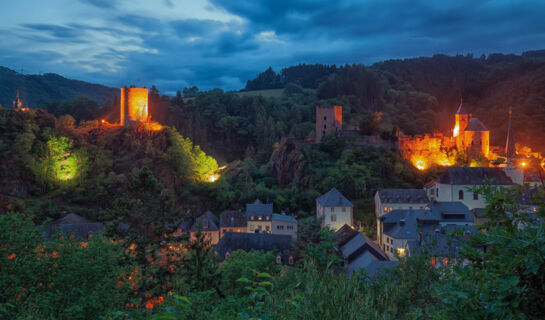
461 195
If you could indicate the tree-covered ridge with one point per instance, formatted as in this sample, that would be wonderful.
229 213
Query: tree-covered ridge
37 90
420 95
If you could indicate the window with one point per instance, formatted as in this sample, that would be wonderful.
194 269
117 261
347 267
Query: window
325 126
259 228
475 196
267 217
279 227
343 209
461 195
290 227
323 133
392 249
385 209
238 230
260 218
332 209
252 217
401 252
267 228
437 191
252 227
325 118
333 217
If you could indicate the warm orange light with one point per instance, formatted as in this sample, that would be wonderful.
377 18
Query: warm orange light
134 105
456 131
420 165
102 120
523 164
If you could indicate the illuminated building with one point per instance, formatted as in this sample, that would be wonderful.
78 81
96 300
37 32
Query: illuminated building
134 106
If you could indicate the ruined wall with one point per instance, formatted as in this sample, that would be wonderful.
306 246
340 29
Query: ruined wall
328 120
427 150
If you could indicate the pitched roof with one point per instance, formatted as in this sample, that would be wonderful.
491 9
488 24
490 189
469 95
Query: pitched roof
283 217
461 109
77 225
446 242
232 241
475 124
451 211
474 176
360 243
403 196
259 208
233 219
401 224
377 267
344 234
333 198
207 222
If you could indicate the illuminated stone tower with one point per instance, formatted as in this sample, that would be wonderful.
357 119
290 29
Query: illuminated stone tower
461 120
328 120
134 105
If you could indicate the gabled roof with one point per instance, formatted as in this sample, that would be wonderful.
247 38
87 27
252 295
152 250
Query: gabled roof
377 267
401 224
77 225
344 234
461 109
474 176
333 198
451 211
475 124
403 196
232 241
233 219
360 243
445 243
283 217
257 207
207 222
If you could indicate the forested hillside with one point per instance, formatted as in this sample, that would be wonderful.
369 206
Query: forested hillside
36 90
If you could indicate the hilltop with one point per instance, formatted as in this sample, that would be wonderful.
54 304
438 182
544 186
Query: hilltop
36 90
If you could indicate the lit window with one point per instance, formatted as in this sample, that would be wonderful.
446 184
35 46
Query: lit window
259 218
401 252
446 262
333 217
238 230
252 217
534 208
433 261
385 209
475 196
461 195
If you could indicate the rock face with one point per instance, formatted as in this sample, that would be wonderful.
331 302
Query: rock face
287 161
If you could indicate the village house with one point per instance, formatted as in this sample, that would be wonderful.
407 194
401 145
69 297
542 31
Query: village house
233 221
279 244
455 183
334 210
283 224
207 224
387 200
399 227
75 225
359 252
259 216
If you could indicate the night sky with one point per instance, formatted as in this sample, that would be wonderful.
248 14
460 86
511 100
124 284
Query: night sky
220 43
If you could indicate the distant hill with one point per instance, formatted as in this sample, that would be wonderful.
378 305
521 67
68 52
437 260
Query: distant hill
36 90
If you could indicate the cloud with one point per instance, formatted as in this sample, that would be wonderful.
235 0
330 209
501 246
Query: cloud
223 43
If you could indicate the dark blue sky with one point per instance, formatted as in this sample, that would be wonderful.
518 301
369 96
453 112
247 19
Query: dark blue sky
223 43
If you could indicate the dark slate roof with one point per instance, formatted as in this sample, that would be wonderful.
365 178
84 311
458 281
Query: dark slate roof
377 267
344 234
360 243
403 196
401 224
207 222
461 109
474 176
450 211
475 124
283 217
233 219
74 224
258 208
446 242
333 198
232 241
